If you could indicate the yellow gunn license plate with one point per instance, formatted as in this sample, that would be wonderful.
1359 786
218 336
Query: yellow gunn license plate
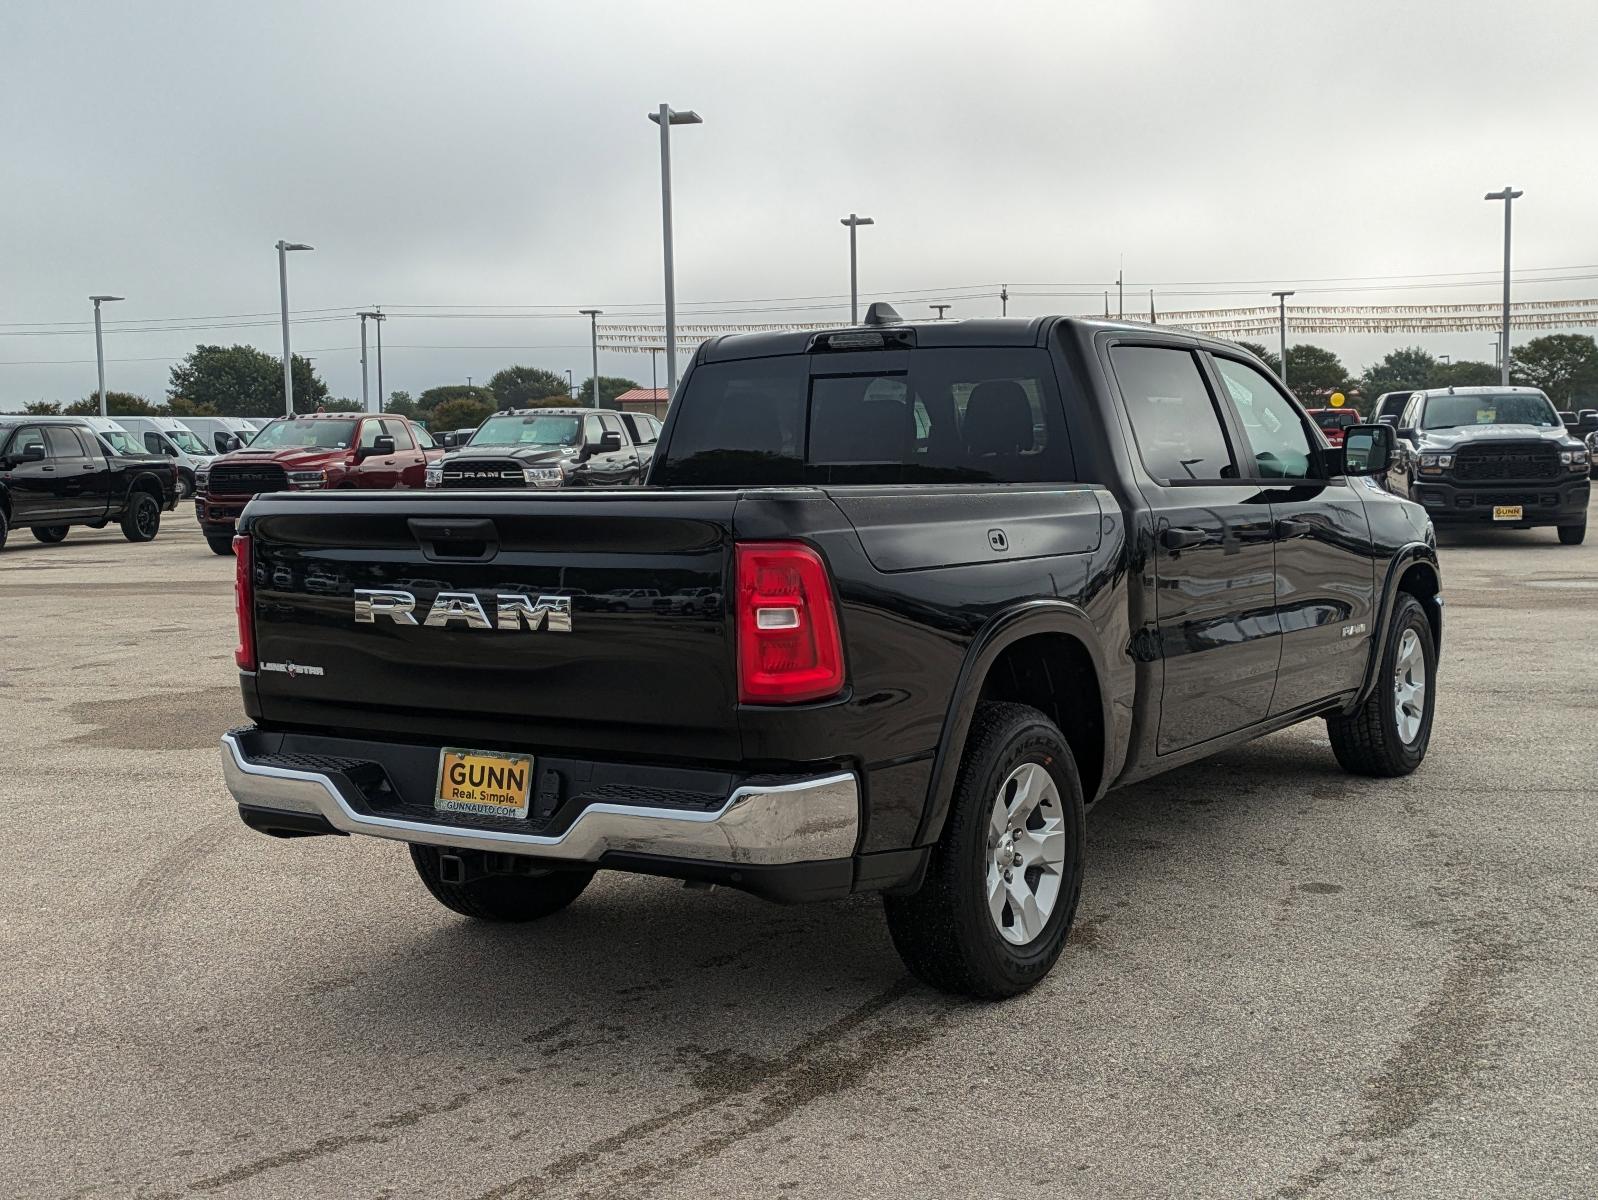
484 782
1507 512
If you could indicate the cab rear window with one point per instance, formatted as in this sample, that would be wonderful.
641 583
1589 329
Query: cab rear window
923 416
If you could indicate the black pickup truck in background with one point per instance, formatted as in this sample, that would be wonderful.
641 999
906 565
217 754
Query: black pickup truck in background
969 576
55 473
1498 455
543 448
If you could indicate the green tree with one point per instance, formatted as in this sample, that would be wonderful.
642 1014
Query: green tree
402 404
42 408
117 404
610 386
241 381
430 400
518 387
1405 370
1314 371
1565 365
460 412
1269 357
1465 373
341 404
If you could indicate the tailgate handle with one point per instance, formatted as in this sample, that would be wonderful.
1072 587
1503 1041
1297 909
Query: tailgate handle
455 541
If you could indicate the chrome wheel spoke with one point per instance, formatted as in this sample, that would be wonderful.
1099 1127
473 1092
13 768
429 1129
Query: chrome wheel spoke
1409 686
998 896
1027 915
1042 847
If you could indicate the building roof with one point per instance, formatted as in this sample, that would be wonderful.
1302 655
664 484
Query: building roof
644 396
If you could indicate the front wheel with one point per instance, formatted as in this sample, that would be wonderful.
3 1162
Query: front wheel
1387 735
50 534
503 898
220 543
1002 886
141 520
1572 535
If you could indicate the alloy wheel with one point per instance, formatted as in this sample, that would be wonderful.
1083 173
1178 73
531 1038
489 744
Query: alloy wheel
1026 853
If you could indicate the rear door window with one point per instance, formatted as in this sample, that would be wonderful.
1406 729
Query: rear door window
63 442
401 433
928 416
1174 418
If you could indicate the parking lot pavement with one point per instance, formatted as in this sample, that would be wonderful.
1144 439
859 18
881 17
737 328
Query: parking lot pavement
1285 982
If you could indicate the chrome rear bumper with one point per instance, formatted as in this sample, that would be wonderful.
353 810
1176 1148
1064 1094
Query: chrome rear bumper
807 820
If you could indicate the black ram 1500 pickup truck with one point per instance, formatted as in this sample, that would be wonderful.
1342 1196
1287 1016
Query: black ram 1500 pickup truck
967 578
56 473
1492 454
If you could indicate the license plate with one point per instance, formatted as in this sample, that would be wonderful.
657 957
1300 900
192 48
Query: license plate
485 782
1507 512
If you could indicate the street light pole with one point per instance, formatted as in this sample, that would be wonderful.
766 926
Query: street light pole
377 316
366 395
1281 306
99 345
283 292
1508 196
654 376
854 223
1448 359
571 385
666 118
593 328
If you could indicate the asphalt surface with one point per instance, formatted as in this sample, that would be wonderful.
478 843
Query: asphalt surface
1285 982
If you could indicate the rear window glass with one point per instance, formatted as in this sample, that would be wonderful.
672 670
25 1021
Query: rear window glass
923 416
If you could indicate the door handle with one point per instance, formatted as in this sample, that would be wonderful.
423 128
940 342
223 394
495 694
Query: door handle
1182 538
1288 527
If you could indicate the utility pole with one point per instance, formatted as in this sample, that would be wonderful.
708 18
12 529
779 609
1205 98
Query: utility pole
1106 305
1004 299
283 249
571 385
1120 295
366 397
942 308
665 118
854 223
1508 196
99 345
654 378
376 315
1498 349
1281 301
593 315
1153 320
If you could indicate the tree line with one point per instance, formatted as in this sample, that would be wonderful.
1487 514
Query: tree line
1564 365
241 381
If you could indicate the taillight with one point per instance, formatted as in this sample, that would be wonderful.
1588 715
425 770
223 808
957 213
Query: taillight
244 602
789 648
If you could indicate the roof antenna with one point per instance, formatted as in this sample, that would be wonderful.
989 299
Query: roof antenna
883 313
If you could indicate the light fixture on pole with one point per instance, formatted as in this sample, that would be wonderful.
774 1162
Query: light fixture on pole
593 315
376 314
854 223
941 309
1509 195
99 344
1281 308
283 292
666 118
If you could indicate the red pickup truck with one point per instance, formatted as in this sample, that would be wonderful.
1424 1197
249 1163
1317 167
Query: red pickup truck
310 453
1333 421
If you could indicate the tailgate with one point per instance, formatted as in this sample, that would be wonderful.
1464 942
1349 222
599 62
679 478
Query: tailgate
648 649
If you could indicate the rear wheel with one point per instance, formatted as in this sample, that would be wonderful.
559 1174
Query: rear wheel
50 534
1002 886
141 520
1572 535
1387 735
5 528
220 543
507 898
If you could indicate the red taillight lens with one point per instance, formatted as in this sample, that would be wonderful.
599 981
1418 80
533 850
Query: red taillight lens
789 648
244 603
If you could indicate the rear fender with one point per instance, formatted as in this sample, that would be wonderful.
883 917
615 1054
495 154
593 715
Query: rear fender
1008 627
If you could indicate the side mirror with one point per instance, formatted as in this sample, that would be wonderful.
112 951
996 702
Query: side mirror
29 454
1409 434
609 442
384 444
169 450
1367 449
1587 422
227 443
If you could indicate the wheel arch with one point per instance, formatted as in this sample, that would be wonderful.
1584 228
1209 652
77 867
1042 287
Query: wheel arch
1019 655
1413 571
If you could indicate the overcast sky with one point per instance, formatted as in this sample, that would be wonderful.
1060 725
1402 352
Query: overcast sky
498 154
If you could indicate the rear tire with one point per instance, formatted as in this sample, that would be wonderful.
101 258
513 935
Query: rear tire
50 534
973 929
220 544
1572 535
141 520
1387 735
5 529
504 898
